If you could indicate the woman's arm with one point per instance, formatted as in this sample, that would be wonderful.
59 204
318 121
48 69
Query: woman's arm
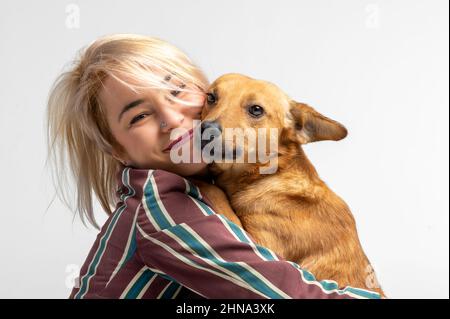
183 238
218 200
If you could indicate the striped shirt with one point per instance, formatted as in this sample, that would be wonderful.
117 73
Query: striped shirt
165 241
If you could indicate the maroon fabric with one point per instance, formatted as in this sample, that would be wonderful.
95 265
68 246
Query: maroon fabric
135 257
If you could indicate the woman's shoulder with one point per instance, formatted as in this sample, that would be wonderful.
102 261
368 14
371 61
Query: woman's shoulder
139 180
167 181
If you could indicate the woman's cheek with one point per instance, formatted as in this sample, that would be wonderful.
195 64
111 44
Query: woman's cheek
197 99
142 140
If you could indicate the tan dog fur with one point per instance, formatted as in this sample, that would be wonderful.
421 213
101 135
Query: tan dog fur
293 212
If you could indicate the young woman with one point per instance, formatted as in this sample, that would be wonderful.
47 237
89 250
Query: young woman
110 118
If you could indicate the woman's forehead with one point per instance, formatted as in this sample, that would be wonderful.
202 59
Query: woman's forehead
116 91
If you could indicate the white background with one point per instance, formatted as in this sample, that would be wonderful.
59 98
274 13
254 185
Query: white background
379 67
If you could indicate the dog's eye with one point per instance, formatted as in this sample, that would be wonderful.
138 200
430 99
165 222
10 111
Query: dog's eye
211 98
255 110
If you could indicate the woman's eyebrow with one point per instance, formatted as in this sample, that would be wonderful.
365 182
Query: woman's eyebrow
130 106
167 78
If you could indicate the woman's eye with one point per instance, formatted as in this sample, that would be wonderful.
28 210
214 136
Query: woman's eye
138 118
255 110
211 98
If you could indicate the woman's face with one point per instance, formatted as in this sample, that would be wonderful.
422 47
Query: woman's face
134 120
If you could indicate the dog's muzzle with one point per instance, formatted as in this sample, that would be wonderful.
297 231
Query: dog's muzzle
212 131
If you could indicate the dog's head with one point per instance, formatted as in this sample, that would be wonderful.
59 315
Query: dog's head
239 104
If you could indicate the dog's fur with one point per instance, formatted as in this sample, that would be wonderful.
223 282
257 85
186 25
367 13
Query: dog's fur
292 212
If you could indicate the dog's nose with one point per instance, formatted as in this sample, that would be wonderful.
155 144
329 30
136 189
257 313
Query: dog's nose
213 125
212 129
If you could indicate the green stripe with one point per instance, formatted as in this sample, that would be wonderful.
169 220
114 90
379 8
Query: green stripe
363 293
250 278
136 289
193 190
153 206
170 291
132 248
238 232
329 285
105 238
333 287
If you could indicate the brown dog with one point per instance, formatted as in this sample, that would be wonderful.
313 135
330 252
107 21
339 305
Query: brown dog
292 211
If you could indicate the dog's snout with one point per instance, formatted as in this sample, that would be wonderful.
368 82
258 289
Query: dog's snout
212 130
212 125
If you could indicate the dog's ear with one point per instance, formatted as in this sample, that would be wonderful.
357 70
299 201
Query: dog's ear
311 126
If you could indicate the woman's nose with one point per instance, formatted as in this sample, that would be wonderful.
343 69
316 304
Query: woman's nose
170 119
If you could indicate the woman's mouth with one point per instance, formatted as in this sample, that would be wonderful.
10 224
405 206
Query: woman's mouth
175 144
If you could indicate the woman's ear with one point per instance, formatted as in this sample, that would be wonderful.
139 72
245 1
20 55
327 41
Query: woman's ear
311 126
120 157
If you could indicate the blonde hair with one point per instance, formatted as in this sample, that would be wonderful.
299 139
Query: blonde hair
79 140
